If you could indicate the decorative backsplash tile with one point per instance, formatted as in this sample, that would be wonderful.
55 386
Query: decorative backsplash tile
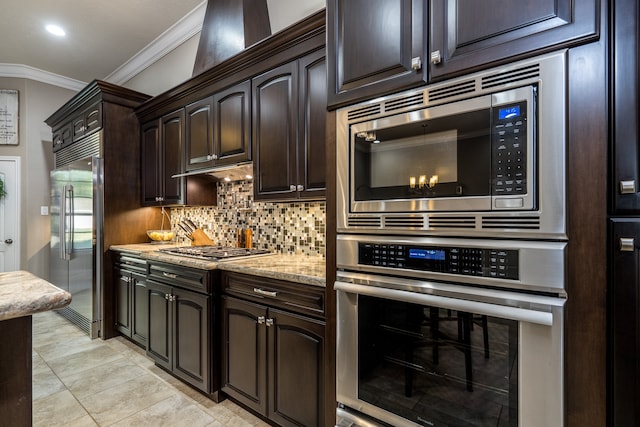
288 228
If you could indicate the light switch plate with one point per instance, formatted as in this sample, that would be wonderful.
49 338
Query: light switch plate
44 210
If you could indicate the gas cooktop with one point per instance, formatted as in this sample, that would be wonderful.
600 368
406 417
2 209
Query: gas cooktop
214 253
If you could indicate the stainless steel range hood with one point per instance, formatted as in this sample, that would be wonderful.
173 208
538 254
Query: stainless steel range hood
236 172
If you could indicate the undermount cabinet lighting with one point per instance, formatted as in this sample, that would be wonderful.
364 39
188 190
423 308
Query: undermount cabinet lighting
55 30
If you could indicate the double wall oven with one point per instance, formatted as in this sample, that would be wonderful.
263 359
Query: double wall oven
451 252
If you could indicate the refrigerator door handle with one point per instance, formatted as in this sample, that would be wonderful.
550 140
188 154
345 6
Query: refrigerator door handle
62 223
72 225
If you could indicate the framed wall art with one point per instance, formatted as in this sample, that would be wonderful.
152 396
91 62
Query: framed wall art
8 117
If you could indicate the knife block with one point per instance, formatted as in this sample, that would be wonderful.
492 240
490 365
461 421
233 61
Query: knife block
199 238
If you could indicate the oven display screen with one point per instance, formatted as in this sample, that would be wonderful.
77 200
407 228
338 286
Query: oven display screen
427 254
509 112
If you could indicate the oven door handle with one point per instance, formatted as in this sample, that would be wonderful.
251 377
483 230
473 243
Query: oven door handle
476 307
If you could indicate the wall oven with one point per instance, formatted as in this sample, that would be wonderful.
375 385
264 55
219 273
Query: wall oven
480 153
414 349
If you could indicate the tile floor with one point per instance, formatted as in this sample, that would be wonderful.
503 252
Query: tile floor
82 382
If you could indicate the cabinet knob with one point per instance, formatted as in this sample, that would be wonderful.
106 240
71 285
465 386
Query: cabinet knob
269 322
166 296
292 188
627 187
260 320
300 187
627 244
436 57
416 63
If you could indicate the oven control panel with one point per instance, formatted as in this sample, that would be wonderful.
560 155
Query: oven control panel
484 262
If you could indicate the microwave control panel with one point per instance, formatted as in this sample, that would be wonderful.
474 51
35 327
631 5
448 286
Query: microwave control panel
484 262
509 142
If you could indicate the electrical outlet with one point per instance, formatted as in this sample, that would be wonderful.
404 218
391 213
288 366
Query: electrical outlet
44 210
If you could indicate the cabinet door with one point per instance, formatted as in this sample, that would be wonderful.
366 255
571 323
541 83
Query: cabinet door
296 352
199 134
62 137
626 133
139 309
232 133
625 322
159 339
312 129
371 46
275 119
244 375
151 163
171 132
191 341
93 118
465 37
123 302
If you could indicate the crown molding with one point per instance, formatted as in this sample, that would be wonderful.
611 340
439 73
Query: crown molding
174 36
21 71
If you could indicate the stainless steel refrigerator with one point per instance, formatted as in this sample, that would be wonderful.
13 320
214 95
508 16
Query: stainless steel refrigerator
76 232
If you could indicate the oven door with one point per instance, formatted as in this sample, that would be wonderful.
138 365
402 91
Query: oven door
415 353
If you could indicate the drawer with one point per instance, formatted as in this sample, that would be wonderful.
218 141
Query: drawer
296 297
188 278
132 263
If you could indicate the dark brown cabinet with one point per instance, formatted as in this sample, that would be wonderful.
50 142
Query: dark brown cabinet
83 123
131 298
218 128
374 47
464 37
181 324
289 121
162 152
624 326
273 359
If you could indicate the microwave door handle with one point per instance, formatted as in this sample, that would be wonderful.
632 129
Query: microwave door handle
494 310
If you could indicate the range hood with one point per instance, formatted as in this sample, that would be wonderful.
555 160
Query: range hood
236 172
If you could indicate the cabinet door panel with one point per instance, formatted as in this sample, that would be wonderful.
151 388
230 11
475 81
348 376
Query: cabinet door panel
312 137
244 360
625 88
159 339
232 133
625 323
469 37
140 309
274 130
191 337
371 44
123 304
172 136
199 138
151 161
296 371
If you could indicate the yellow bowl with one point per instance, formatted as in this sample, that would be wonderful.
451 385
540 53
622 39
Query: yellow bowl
160 235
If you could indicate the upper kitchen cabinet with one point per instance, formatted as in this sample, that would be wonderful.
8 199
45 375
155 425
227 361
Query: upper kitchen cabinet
289 118
625 135
218 129
374 47
162 145
465 37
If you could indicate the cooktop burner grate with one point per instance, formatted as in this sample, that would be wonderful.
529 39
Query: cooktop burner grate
214 253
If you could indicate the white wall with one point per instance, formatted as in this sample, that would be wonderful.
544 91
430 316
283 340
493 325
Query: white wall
177 66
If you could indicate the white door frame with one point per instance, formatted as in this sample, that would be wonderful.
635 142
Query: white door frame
13 199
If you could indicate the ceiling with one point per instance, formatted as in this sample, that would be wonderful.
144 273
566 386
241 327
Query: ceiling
100 35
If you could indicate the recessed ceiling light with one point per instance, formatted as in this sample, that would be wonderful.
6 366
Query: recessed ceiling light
55 30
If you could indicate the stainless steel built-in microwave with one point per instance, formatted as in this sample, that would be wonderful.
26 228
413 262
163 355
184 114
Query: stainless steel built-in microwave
480 155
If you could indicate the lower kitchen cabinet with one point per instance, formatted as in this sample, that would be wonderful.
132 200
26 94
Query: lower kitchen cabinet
273 359
181 325
131 303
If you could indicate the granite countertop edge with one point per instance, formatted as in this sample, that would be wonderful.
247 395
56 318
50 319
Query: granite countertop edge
23 294
305 269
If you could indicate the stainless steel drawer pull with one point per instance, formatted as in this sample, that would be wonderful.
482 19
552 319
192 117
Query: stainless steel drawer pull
170 275
265 293
627 187
627 244
260 320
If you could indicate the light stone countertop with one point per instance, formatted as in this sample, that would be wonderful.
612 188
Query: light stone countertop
24 294
304 269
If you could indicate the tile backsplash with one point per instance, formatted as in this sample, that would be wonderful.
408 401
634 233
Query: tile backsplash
288 228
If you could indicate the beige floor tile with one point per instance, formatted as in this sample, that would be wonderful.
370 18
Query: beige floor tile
102 377
45 383
62 348
58 409
88 358
126 399
173 411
